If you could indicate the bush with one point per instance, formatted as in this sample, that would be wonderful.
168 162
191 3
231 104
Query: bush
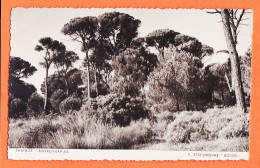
119 109
40 136
238 127
77 131
56 98
70 104
215 123
17 108
160 122
215 130
97 135
185 128
125 108
226 123
35 105
99 107
32 133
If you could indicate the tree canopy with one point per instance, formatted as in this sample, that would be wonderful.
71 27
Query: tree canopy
51 49
82 30
119 29
188 44
161 39
20 68
132 67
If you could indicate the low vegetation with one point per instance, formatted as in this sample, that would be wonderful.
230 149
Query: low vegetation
219 129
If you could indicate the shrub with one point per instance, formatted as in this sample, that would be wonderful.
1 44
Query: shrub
74 131
188 131
124 108
98 135
32 133
136 133
17 108
238 127
98 108
215 123
226 123
160 122
35 105
119 109
40 136
70 104
56 98
165 116
187 127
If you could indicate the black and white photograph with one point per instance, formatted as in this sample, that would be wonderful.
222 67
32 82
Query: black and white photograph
128 79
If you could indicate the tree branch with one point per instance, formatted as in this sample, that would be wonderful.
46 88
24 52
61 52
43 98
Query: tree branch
240 17
216 11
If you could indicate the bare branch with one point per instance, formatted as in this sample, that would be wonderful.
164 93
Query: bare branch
245 19
212 12
75 39
238 32
235 13
240 17
243 24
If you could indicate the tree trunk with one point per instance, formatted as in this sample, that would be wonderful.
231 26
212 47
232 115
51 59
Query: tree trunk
88 72
96 81
222 94
67 86
161 54
177 103
235 66
229 87
46 91
187 102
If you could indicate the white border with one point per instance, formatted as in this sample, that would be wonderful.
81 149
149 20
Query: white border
133 155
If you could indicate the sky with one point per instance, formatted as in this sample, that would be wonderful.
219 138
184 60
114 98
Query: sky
28 25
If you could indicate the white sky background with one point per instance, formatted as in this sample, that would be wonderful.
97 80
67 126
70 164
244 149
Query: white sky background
31 24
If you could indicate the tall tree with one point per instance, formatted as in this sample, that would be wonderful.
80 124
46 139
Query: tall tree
51 49
83 30
99 62
119 29
231 39
232 19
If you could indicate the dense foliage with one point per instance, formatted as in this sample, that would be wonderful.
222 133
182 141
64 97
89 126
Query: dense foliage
70 105
56 98
35 105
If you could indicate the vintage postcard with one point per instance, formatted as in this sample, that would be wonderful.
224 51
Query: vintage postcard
129 84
